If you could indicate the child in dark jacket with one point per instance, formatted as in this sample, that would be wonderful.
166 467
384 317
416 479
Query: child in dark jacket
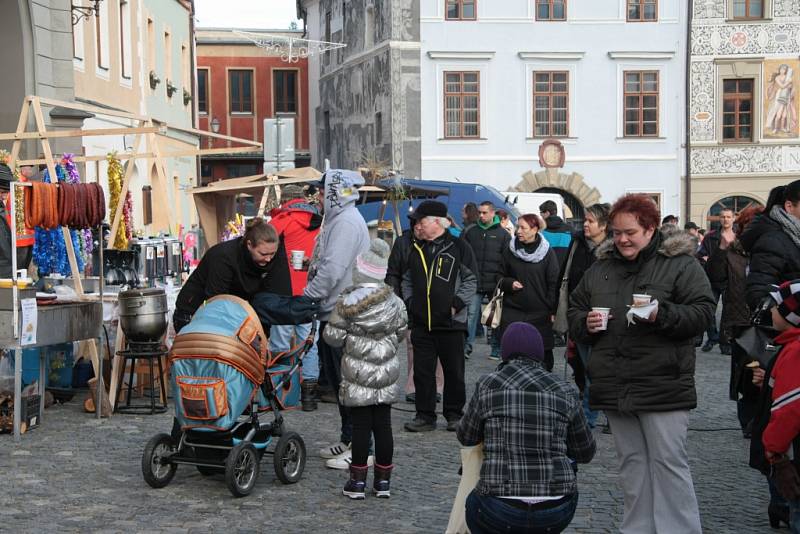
369 321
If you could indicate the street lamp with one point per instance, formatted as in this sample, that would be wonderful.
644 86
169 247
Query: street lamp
215 129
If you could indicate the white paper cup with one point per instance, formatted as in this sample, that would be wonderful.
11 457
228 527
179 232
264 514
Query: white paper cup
641 299
604 312
297 259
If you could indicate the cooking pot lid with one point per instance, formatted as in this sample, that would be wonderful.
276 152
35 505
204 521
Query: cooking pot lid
144 292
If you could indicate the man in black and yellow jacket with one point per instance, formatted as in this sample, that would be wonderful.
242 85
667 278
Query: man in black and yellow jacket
438 284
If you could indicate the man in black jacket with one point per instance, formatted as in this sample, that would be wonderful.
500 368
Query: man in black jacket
488 239
708 248
438 284
558 233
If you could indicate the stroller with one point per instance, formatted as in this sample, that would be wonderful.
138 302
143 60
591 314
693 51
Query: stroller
223 377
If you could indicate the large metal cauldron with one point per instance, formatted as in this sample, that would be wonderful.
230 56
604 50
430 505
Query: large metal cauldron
143 314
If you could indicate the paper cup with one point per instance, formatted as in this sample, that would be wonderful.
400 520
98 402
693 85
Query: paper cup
297 259
640 299
604 312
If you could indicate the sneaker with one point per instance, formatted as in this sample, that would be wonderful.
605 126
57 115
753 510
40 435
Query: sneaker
335 450
452 425
343 461
420 425
411 397
494 357
708 346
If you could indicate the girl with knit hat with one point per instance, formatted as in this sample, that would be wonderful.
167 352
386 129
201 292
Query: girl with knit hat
369 321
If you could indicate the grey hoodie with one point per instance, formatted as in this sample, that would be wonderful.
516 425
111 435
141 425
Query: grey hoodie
343 237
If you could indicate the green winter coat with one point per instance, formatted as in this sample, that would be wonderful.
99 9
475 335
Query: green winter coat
644 367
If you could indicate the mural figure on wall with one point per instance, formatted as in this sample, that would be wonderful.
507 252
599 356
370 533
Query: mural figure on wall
781 107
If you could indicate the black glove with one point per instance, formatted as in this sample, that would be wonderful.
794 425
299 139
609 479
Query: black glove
784 475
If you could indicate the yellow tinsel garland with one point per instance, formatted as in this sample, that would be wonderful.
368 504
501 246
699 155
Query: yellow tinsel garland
115 188
19 200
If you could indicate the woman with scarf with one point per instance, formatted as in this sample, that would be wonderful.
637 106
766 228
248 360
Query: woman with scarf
529 282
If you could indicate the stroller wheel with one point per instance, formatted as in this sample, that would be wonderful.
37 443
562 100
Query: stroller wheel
290 458
156 467
241 469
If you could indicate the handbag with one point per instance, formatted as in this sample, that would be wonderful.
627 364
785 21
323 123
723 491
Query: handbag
756 341
494 310
471 462
560 324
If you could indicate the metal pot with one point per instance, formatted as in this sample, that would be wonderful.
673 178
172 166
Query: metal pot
143 314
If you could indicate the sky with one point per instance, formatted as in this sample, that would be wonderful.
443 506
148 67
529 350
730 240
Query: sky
254 14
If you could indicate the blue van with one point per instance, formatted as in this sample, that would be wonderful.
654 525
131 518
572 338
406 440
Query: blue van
453 194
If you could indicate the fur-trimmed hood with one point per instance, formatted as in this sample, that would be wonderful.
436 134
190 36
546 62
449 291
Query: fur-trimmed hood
674 242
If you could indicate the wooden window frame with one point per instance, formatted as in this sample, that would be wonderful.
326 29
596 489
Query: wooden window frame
640 95
736 98
295 99
747 10
241 93
550 3
461 94
460 4
641 4
203 97
550 94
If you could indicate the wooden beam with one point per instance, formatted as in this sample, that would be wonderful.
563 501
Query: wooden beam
137 155
123 192
23 121
80 133
213 135
117 366
89 108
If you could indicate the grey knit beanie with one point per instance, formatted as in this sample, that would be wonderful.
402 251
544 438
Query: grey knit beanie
371 264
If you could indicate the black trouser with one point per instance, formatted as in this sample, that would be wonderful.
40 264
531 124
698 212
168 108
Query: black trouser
375 420
331 358
448 346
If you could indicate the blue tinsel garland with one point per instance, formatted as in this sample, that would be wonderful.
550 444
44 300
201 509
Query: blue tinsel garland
50 250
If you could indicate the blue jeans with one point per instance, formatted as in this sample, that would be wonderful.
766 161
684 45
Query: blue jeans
487 515
584 352
473 316
280 339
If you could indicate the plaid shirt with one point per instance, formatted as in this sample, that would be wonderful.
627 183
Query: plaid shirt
531 423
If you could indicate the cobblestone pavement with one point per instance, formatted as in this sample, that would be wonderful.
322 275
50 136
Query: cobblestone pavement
75 474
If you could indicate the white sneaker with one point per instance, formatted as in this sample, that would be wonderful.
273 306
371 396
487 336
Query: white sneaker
344 460
332 451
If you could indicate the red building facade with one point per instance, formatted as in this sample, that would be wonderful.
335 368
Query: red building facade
238 86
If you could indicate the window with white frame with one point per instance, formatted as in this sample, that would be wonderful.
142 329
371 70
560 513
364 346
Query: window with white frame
126 60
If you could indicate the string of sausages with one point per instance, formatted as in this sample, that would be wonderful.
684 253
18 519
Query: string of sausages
74 205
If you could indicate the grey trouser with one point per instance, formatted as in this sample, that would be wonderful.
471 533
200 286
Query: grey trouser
654 471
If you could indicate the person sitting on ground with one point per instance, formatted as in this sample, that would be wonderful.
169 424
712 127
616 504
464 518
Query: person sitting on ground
532 427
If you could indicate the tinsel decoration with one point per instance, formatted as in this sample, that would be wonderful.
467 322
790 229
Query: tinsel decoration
233 228
84 236
19 199
125 230
49 249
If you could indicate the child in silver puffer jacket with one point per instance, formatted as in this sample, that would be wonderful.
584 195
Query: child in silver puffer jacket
369 321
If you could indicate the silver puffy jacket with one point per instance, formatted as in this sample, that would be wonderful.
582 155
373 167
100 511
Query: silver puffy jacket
369 321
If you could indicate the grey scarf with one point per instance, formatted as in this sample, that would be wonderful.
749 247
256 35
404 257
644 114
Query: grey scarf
534 257
789 224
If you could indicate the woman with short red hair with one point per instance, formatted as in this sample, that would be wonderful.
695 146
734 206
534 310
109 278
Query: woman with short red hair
642 370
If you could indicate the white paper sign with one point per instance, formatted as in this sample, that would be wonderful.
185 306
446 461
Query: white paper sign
29 317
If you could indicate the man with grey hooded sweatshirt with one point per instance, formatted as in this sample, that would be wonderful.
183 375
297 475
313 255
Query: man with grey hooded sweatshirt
342 238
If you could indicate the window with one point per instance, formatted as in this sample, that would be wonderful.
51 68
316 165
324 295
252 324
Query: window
125 39
460 10
551 9
641 103
737 110
378 128
168 61
202 90
461 104
748 9
642 10
284 87
241 90
77 42
369 28
551 104
101 37
327 118
151 45
327 54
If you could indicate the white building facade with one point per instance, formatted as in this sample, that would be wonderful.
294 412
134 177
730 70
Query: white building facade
607 79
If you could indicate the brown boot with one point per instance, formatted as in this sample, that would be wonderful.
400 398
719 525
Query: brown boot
380 482
308 394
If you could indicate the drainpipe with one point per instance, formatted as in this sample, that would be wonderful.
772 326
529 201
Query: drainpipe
688 112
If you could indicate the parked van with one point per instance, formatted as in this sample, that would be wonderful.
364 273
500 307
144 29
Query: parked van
453 194
530 202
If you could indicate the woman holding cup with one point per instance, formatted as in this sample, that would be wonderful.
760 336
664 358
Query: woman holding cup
642 372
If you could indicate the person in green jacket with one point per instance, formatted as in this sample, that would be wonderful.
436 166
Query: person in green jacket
642 370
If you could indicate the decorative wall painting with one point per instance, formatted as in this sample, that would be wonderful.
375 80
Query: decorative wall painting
781 99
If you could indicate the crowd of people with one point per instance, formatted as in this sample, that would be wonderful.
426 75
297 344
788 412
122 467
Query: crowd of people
634 294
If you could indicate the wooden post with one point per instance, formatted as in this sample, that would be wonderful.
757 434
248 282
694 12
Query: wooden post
115 222
117 367
21 125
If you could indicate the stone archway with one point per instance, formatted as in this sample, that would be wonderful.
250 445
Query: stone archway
551 178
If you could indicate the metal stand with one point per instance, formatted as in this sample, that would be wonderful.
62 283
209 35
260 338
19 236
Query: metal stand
149 352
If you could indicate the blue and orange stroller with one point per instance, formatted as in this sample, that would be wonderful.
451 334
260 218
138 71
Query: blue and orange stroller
222 378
